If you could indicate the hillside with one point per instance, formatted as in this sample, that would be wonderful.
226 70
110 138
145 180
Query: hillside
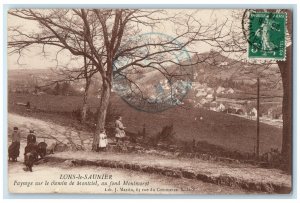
228 131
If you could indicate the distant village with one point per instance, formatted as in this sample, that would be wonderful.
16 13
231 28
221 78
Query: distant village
201 95
218 100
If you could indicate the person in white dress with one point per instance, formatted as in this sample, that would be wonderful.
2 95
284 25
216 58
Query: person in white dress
102 140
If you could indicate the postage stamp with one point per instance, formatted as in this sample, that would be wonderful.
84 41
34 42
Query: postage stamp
267 35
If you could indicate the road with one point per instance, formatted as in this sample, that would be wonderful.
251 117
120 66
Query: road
47 178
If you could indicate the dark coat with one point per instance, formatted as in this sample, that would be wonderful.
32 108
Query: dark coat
31 148
14 150
29 159
42 149
31 139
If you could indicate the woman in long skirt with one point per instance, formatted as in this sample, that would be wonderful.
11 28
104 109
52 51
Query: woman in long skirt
120 129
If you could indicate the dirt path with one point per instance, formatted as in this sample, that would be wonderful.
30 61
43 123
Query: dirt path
47 131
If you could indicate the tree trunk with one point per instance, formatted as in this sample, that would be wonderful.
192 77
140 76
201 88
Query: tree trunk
286 74
84 103
102 110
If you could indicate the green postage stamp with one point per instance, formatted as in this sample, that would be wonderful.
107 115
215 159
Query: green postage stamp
267 35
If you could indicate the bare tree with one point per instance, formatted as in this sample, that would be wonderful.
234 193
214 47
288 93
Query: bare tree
86 73
106 34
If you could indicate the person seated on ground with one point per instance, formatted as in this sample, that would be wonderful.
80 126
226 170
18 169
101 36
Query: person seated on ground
31 138
120 133
14 148
102 140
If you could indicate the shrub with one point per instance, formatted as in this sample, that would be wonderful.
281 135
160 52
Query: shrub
166 134
274 158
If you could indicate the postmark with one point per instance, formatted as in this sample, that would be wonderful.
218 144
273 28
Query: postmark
158 73
267 35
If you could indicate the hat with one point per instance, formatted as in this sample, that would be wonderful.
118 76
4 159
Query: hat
31 131
16 128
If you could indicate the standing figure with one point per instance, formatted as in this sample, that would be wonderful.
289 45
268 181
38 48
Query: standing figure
120 133
102 140
31 151
14 148
31 138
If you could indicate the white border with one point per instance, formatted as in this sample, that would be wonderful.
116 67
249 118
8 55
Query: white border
217 2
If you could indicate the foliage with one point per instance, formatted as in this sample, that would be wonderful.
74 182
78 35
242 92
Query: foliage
166 134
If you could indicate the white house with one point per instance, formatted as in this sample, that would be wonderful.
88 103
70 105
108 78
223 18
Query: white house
253 112
220 89
209 96
165 85
203 101
198 105
195 76
196 85
230 91
213 106
224 63
201 93
221 107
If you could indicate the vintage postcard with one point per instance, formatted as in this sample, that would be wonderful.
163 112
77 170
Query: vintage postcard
149 101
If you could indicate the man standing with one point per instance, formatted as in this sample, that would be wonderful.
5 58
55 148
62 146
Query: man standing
14 148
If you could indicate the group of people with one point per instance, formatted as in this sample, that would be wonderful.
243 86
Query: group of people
30 151
101 140
14 148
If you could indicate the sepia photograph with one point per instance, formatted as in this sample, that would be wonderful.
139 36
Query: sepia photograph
149 101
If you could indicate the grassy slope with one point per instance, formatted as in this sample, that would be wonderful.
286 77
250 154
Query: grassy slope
221 129
217 128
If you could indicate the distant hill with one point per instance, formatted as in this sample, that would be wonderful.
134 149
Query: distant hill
215 72
214 67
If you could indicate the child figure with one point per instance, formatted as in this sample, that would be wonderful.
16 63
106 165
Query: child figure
102 140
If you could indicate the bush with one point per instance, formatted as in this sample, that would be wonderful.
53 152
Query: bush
274 158
166 135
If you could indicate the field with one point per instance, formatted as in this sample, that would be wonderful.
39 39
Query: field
221 129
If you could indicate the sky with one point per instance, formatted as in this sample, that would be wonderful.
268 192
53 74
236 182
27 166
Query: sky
33 59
